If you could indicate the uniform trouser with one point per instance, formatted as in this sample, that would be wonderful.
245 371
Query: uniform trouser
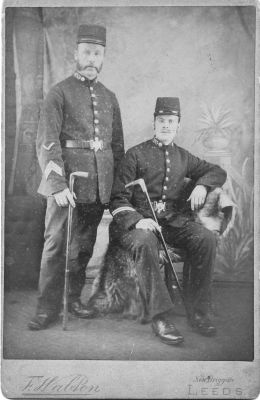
85 221
200 246
143 246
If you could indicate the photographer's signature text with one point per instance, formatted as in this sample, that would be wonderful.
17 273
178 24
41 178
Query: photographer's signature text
59 385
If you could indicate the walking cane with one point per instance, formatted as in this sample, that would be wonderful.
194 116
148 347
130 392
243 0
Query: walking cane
79 174
142 184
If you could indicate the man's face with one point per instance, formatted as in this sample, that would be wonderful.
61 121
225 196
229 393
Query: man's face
89 58
166 128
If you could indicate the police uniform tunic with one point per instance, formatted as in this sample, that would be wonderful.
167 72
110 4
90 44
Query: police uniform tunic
80 129
163 169
76 109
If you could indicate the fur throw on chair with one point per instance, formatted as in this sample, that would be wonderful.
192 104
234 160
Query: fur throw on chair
116 289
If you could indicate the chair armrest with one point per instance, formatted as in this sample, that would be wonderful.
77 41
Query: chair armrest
218 213
229 209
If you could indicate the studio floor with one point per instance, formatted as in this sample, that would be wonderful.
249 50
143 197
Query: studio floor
115 338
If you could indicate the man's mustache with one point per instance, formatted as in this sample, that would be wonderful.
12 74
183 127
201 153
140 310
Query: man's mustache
84 67
91 66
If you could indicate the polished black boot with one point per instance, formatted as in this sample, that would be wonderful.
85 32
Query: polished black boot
202 324
165 330
80 310
42 321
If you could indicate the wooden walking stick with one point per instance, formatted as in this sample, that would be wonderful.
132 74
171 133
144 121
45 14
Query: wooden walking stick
142 184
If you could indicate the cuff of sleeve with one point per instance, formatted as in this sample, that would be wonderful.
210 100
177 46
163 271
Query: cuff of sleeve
127 219
207 185
48 188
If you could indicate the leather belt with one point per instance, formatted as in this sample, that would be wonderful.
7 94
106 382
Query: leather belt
95 145
158 205
161 205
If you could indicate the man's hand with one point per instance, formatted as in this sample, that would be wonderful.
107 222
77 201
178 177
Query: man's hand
65 197
197 197
148 224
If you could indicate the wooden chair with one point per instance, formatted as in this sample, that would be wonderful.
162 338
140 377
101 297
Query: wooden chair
217 215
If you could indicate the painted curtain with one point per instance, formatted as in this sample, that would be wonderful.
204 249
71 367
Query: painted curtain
203 55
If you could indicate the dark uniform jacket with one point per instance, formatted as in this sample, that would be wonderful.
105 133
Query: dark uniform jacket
76 109
163 169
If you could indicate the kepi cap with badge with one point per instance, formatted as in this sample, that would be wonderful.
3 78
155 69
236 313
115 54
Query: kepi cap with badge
168 106
92 34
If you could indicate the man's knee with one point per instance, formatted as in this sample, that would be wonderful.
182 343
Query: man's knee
143 239
54 243
207 239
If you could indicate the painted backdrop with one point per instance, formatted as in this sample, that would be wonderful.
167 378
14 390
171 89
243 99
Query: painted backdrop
203 55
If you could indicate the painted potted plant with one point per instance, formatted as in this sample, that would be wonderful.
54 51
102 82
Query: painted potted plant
215 126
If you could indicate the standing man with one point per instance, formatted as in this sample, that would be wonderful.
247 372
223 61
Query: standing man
163 165
80 129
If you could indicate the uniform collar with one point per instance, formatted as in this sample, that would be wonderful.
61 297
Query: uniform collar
160 144
84 80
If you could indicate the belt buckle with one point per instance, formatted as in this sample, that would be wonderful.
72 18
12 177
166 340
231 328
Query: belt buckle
159 206
96 144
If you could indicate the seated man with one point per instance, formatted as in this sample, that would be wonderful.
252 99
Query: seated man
163 165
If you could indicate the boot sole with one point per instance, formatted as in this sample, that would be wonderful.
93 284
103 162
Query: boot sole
172 342
83 316
209 333
33 326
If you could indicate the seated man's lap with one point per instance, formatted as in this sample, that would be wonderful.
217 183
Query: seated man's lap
138 237
188 236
